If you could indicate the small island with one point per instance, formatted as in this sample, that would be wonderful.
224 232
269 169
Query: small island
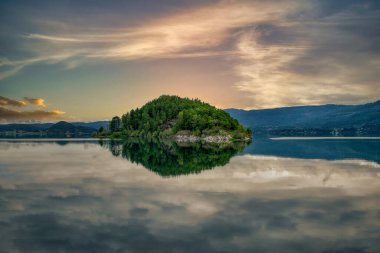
179 119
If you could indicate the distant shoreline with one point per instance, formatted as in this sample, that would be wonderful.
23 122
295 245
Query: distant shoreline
269 138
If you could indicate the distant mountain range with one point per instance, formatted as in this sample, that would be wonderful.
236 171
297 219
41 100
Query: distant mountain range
319 120
63 127
31 127
313 120
59 129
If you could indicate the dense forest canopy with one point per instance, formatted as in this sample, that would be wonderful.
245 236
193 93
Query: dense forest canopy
170 114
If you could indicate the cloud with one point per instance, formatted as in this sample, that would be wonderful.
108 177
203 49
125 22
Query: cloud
282 53
8 115
196 32
35 101
4 101
315 59
11 102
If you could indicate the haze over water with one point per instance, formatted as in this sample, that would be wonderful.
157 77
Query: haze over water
272 196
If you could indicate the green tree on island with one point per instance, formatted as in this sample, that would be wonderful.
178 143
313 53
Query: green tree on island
115 124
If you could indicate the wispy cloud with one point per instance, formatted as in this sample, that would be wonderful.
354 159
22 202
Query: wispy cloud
4 101
191 33
9 115
35 101
11 102
287 52
319 61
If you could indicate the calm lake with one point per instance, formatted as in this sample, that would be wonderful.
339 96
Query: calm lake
274 195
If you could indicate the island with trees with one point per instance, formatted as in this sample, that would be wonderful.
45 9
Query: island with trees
180 119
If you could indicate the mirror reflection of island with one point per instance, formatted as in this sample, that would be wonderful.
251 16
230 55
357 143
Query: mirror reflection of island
168 158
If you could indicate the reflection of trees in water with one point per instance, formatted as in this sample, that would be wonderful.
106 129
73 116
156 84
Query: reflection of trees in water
171 159
115 147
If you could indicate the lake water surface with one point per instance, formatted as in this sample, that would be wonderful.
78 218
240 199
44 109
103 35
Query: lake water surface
275 195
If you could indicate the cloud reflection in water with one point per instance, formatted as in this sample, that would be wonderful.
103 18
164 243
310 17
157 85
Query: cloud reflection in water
79 198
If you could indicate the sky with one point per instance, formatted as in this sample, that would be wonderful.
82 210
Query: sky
93 59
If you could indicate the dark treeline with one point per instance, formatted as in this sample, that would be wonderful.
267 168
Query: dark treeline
167 115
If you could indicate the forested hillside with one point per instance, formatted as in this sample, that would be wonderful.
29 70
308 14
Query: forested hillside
169 115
